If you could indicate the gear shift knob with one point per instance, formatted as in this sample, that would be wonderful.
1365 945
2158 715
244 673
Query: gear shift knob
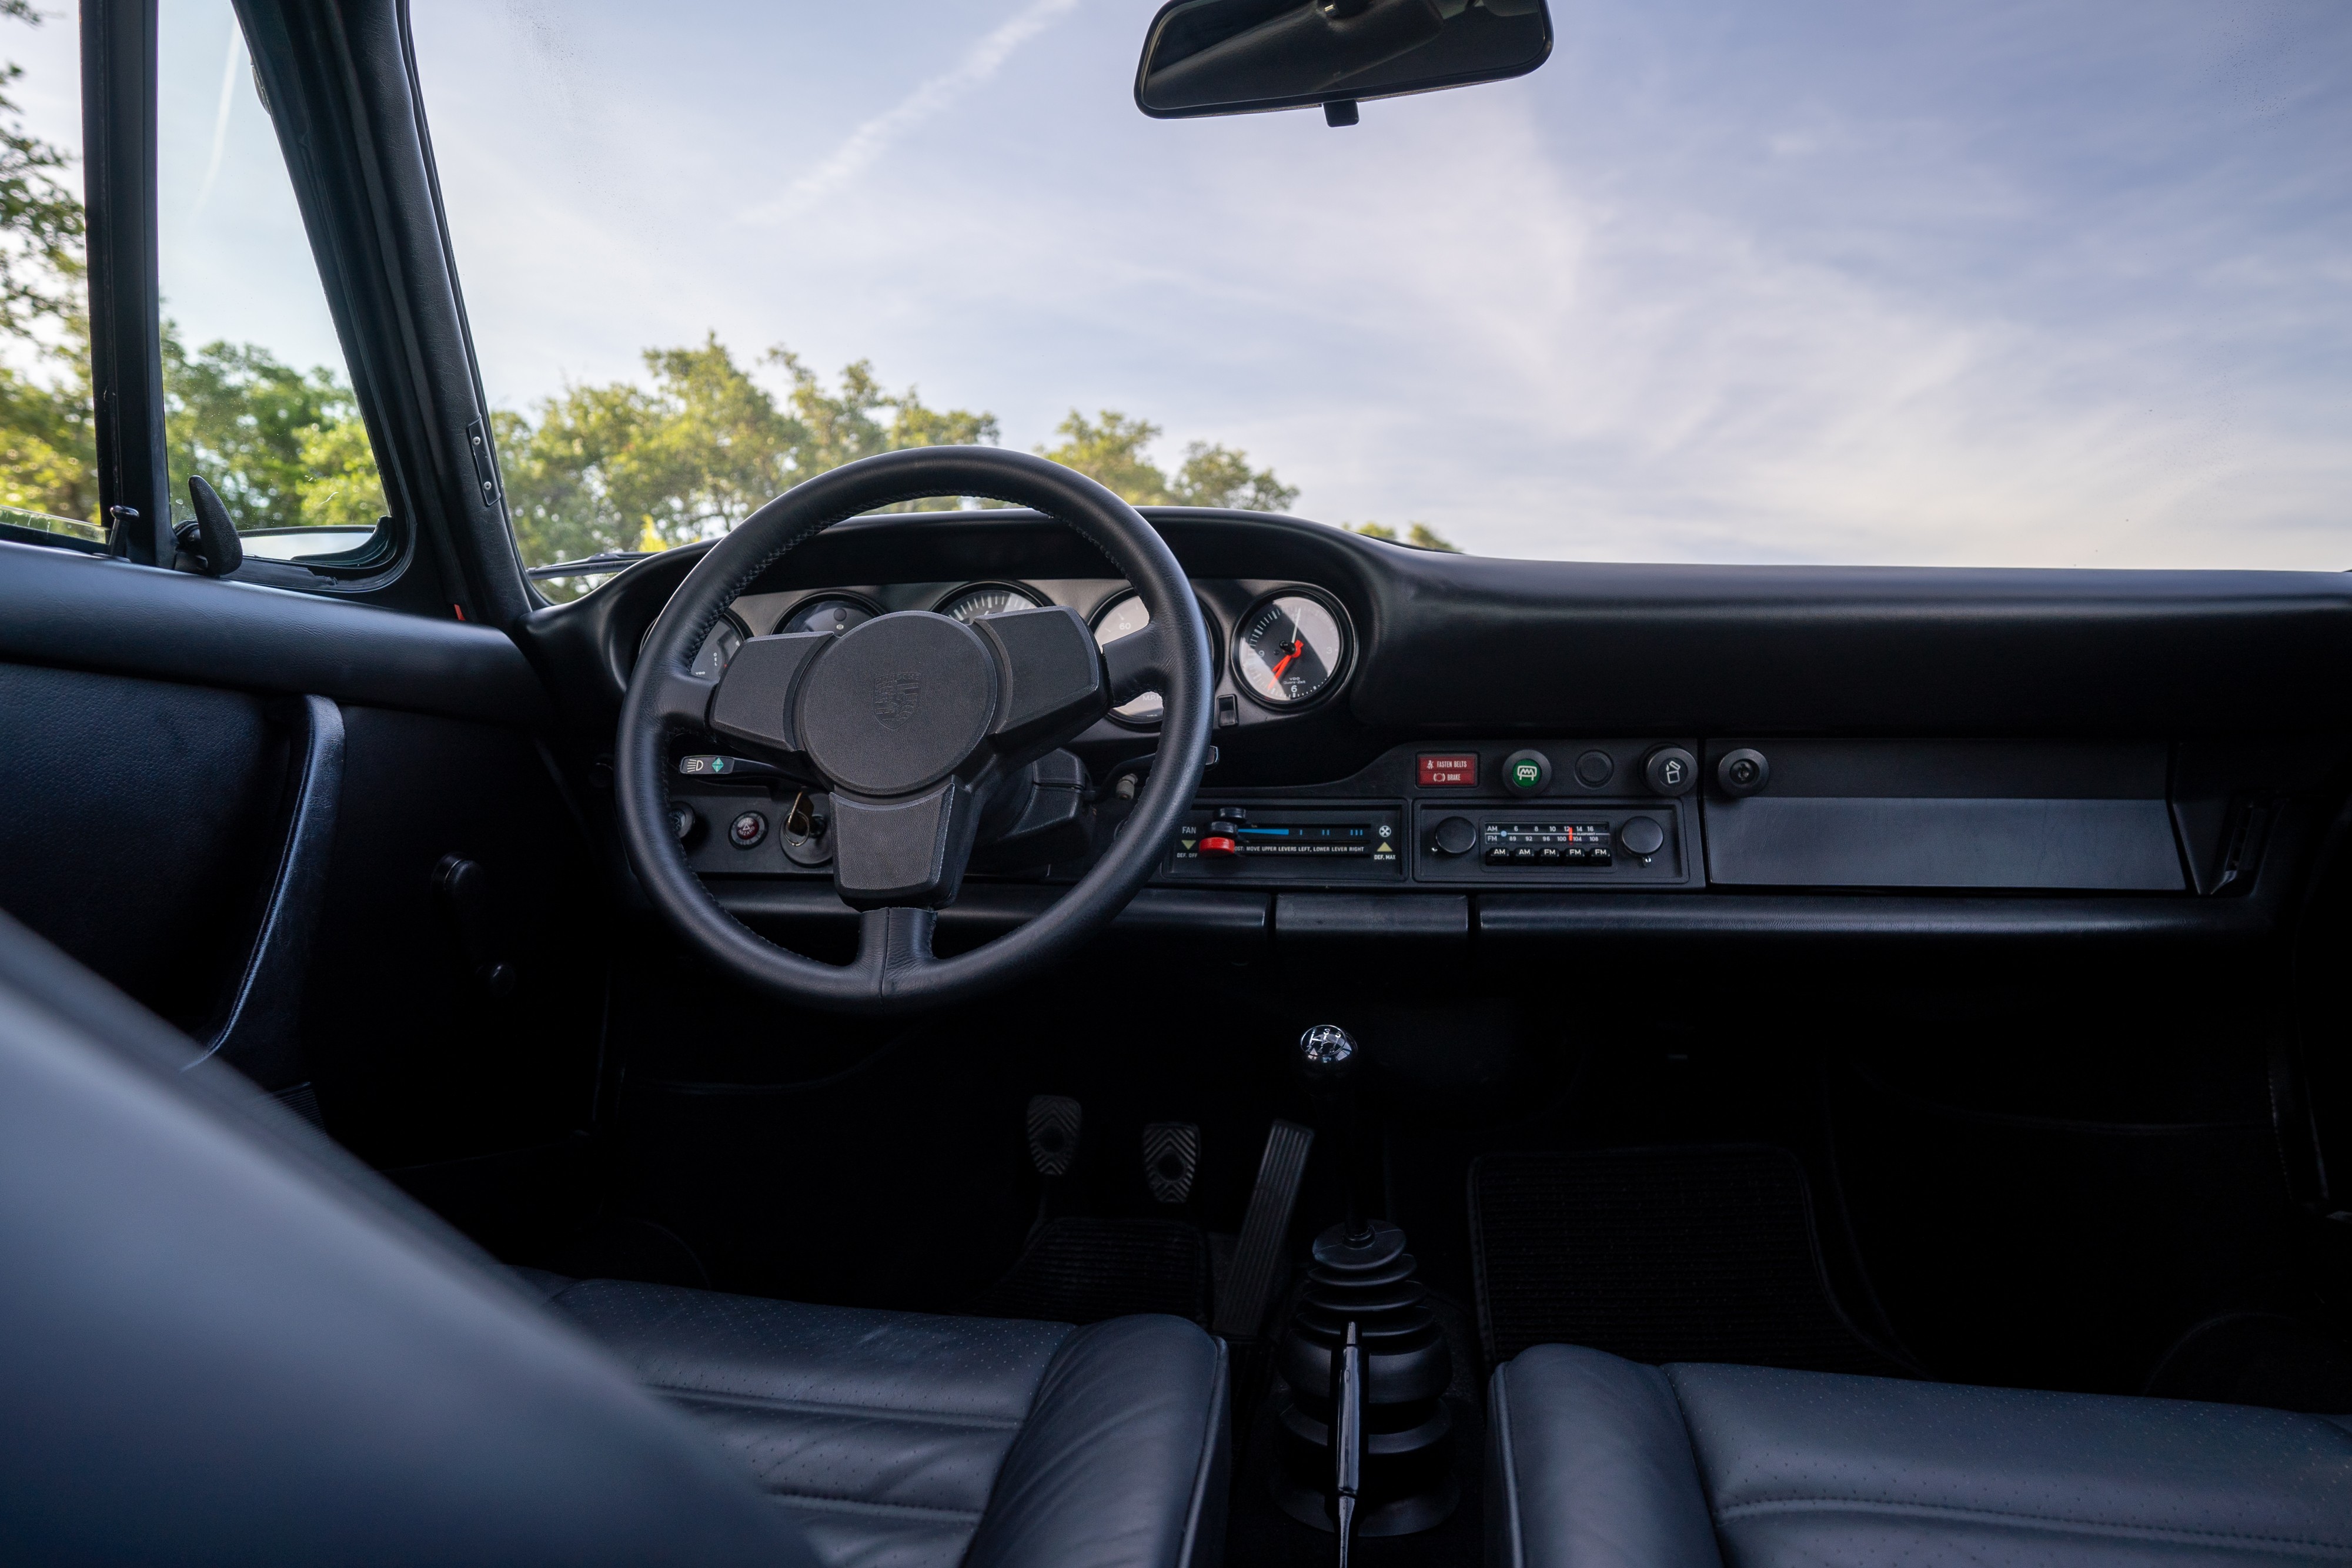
1328 1055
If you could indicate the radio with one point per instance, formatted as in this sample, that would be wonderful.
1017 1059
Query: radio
1596 843
1548 843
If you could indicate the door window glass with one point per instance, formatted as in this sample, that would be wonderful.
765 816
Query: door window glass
257 398
48 467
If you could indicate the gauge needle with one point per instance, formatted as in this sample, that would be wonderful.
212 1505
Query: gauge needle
1298 647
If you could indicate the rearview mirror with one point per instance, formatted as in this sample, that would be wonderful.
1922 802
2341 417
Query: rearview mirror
1238 57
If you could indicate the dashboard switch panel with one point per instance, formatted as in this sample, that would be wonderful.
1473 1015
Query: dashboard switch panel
1241 841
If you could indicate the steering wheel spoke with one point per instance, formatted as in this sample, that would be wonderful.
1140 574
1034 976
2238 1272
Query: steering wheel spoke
1050 677
754 701
894 947
905 851
677 700
1140 662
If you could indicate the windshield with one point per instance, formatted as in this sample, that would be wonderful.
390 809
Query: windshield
2007 284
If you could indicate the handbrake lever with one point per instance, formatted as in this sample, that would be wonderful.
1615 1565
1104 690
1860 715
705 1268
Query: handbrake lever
1348 1436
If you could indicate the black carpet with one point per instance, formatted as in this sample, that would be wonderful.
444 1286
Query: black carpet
1077 1270
1691 1253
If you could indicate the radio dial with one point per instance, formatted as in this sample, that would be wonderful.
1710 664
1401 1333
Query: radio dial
1455 836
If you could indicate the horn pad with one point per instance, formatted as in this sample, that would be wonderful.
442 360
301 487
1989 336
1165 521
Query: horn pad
895 704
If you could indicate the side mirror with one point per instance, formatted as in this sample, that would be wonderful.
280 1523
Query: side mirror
1239 56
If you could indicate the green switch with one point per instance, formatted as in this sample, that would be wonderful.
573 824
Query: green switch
1527 772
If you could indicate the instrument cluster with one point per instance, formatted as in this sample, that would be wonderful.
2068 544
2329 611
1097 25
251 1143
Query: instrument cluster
1280 648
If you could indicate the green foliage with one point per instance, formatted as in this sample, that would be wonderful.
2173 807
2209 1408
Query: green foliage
48 446
1111 450
1419 536
624 466
48 459
259 430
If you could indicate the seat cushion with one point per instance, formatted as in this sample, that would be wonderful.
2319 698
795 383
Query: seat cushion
901 1440
1597 1462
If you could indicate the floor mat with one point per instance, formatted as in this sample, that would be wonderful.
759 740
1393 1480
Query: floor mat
2257 1358
1077 1270
1704 1253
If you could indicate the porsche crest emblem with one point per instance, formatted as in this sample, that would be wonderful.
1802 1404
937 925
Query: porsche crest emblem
894 697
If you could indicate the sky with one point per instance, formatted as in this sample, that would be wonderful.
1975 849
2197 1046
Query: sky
2054 283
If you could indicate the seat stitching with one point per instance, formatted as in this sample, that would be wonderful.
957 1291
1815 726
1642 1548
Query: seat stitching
1765 1505
1204 1464
830 1408
1715 1516
862 1505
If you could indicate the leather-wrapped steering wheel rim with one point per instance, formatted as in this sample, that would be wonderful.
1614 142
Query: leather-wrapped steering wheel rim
895 969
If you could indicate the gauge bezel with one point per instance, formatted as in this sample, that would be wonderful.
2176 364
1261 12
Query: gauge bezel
1037 599
873 611
1122 596
1347 667
741 626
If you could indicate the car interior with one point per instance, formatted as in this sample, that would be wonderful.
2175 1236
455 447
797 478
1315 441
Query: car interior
1066 1033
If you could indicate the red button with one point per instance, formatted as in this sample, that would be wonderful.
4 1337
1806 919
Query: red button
1218 844
1448 772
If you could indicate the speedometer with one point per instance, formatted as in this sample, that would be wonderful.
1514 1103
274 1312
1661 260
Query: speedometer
973 601
1293 648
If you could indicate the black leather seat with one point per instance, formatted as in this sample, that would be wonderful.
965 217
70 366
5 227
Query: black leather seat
1601 1463
900 1440
224 1341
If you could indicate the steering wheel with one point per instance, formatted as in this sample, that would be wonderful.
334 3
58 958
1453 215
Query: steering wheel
912 721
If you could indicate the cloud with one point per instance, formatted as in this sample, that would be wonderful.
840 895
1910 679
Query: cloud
858 151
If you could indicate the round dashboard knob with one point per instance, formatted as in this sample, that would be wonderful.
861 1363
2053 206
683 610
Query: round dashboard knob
1743 772
1641 836
1670 770
1455 836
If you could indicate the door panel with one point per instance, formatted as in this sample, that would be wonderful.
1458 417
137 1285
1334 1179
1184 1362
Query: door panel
139 835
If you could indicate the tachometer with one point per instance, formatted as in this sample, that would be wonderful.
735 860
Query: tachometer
973 601
835 613
1293 647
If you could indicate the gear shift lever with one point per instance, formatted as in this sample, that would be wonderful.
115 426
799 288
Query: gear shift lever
1364 1433
1330 1061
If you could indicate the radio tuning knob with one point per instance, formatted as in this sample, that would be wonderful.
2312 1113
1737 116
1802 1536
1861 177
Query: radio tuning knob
1455 836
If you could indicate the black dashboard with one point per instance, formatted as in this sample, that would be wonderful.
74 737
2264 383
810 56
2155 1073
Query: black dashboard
1411 741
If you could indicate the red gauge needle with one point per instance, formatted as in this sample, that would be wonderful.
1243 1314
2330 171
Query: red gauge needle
1298 647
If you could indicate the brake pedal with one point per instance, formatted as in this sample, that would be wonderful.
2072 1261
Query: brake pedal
1171 1157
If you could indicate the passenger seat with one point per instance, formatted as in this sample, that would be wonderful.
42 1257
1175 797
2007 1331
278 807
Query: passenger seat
1597 1462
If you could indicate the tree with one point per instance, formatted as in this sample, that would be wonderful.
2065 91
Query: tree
1111 450
1419 536
624 467
48 448
284 447
40 220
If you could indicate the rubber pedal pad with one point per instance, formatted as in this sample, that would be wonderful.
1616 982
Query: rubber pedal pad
1054 1123
1172 1158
